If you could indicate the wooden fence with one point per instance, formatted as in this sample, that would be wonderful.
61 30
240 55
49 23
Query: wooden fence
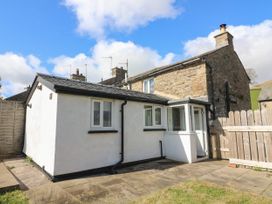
244 137
12 122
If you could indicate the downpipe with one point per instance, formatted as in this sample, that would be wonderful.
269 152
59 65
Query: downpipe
113 169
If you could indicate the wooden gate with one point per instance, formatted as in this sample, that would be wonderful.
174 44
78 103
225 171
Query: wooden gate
245 137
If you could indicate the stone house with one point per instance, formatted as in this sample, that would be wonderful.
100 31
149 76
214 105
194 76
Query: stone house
217 76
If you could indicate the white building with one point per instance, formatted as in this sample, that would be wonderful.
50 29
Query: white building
74 127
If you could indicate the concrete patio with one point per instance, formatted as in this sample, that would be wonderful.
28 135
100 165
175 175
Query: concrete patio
136 181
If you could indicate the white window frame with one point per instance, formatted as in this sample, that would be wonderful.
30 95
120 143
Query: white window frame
148 85
101 114
186 125
153 116
155 107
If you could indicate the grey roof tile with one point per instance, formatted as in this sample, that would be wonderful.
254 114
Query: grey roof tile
85 88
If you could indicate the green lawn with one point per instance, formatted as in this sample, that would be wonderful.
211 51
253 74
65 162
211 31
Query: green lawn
254 94
14 197
196 192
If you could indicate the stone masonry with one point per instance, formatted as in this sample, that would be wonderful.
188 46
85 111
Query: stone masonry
218 76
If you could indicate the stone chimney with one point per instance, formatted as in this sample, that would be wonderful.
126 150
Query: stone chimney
77 76
119 73
224 38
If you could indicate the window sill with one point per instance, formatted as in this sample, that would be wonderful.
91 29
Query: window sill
102 131
154 129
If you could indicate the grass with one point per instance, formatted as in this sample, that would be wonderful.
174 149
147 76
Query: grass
14 197
254 94
28 160
196 192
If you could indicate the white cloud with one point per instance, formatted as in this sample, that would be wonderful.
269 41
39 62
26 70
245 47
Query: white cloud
252 43
18 71
94 16
140 59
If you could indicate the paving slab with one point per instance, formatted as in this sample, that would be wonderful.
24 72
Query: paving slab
26 173
252 181
7 180
133 182
50 193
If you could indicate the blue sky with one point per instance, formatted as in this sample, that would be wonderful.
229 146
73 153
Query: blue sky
45 35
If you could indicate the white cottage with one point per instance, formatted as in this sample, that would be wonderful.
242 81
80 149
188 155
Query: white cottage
74 127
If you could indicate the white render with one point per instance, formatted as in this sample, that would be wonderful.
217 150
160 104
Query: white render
40 129
76 150
57 138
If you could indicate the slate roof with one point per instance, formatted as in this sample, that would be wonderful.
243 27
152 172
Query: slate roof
19 97
266 94
64 85
178 65
111 82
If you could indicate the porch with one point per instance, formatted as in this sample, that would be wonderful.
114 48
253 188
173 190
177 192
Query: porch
186 137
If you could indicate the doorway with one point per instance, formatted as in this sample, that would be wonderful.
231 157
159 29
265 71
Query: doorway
200 130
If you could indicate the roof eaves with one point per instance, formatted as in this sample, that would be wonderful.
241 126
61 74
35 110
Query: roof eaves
185 63
75 91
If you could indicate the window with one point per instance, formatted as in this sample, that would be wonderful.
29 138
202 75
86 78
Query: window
148 85
102 114
157 116
153 115
176 119
197 119
107 114
148 115
96 113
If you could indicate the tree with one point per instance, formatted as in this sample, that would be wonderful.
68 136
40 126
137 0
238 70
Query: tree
252 75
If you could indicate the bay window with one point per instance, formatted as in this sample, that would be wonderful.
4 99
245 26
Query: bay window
176 118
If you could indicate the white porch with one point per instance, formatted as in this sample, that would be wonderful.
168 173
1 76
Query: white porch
186 138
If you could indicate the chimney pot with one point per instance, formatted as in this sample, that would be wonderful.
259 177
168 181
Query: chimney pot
223 28
78 76
224 38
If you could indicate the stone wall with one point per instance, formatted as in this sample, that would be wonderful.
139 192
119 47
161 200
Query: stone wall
137 86
207 79
225 66
180 83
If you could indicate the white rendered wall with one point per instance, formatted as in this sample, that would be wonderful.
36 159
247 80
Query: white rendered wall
40 128
180 146
139 144
77 150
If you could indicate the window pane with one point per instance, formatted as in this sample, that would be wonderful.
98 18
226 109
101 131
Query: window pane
158 116
146 86
197 120
169 119
182 118
148 115
96 113
107 114
151 86
176 119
